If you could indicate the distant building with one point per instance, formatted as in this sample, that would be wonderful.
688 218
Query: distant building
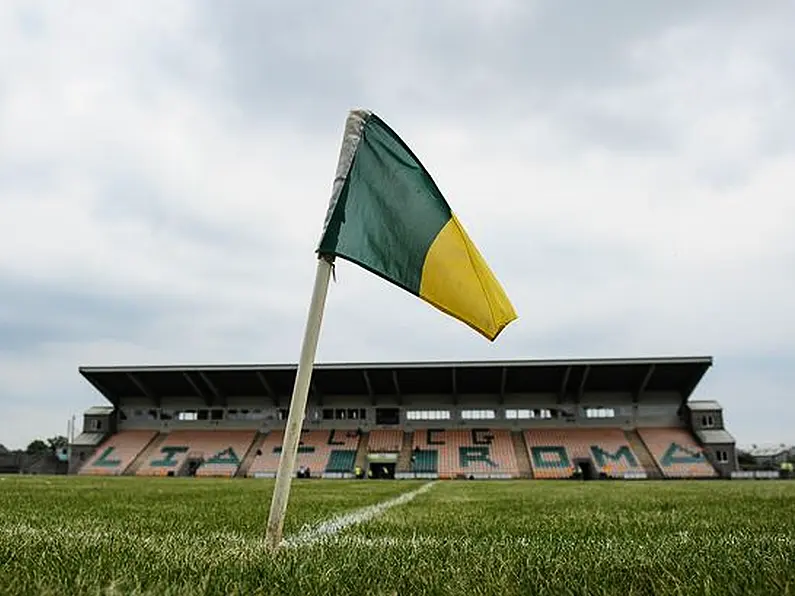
770 456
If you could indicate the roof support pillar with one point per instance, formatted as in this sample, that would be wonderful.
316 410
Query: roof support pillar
268 388
315 392
208 400
454 385
397 387
564 385
369 385
644 383
220 397
581 389
144 389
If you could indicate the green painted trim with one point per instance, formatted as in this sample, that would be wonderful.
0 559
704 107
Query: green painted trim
170 452
224 457
103 462
558 450
602 456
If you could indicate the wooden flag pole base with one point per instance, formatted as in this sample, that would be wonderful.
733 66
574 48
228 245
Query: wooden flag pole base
295 419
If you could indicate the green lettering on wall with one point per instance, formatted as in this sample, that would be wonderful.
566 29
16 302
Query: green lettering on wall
470 455
226 456
103 462
170 460
301 449
604 457
676 454
550 457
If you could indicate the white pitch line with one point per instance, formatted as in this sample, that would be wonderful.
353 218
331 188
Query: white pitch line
311 534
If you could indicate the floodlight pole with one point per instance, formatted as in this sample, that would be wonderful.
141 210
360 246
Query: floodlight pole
70 424
295 419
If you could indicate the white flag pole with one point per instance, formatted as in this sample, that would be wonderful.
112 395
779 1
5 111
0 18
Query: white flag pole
295 419
292 433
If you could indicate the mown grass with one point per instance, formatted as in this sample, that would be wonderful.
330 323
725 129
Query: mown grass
196 536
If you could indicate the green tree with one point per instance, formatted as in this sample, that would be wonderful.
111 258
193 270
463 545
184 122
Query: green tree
57 442
37 447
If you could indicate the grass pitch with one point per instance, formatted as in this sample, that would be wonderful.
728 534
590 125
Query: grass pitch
202 536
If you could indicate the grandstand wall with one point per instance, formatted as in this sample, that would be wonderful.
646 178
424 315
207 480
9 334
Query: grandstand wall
459 421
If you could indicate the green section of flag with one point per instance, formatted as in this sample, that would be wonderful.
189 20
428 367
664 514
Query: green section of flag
389 211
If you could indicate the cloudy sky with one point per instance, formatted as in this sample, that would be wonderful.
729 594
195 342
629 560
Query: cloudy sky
165 167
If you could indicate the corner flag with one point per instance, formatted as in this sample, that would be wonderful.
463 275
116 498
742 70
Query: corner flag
390 218
387 215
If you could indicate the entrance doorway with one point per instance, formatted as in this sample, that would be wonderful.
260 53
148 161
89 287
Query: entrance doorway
382 471
193 464
585 470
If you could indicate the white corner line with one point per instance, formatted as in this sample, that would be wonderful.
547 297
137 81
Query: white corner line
311 534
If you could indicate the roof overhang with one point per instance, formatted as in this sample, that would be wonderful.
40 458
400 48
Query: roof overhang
568 379
715 437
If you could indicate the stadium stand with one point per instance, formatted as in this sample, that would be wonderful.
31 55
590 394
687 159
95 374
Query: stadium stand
462 453
677 453
199 453
556 453
115 455
385 441
323 451
516 419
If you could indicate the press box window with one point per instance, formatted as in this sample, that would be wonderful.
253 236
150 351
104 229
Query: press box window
478 414
428 415
518 414
600 413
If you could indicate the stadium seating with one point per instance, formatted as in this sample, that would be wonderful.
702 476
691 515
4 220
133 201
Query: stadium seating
117 453
426 461
553 452
464 452
320 450
220 451
340 461
385 441
677 453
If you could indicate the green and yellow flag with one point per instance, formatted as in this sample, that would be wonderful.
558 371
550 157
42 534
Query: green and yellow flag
388 216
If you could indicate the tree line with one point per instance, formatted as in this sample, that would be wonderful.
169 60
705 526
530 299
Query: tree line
51 445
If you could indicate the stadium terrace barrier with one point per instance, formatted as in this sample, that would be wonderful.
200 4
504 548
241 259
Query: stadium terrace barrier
556 453
756 475
416 476
215 453
478 476
321 451
463 453
116 454
385 441
634 476
677 453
